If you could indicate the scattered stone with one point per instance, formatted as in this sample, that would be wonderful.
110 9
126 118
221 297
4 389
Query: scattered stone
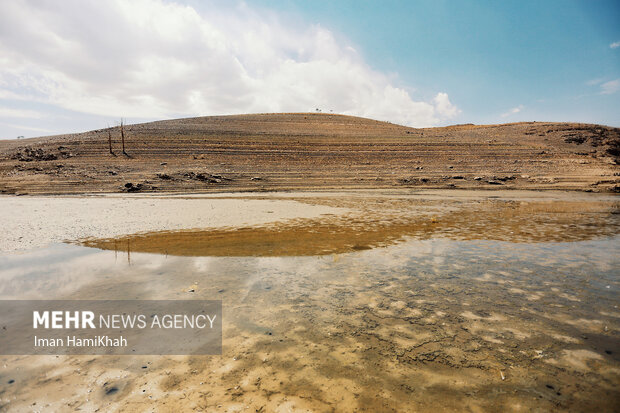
164 177
111 390
491 182
205 177
543 180
477 178
504 178
66 154
130 187
164 163
256 178
28 155
413 180
221 178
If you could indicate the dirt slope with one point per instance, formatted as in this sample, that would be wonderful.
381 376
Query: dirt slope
313 151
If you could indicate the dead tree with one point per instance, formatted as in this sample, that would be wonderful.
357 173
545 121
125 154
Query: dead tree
123 139
110 140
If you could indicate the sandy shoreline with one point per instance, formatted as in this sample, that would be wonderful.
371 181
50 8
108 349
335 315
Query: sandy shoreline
31 222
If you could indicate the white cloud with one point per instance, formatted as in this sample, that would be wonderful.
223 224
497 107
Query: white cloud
150 58
444 107
615 45
25 127
610 87
513 111
20 113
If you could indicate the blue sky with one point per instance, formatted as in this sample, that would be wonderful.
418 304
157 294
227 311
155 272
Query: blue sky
490 56
420 63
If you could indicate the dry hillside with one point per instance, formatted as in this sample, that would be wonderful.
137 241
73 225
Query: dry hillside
313 151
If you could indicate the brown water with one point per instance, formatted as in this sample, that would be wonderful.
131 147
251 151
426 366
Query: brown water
406 304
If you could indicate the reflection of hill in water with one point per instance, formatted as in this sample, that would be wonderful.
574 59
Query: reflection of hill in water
382 222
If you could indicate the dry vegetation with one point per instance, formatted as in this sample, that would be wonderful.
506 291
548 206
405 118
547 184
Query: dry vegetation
312 151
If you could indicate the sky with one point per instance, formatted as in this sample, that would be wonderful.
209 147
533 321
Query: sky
78 65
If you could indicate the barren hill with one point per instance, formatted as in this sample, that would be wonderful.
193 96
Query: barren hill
313 151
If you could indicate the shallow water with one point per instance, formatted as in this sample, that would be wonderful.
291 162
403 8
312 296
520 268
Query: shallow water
407 304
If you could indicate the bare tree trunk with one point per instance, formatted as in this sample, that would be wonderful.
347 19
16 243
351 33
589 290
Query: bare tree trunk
123 138
110 140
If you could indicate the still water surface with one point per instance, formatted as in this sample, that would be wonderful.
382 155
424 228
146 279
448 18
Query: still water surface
405 304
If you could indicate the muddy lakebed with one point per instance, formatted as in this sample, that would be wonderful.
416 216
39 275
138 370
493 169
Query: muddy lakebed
379 301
